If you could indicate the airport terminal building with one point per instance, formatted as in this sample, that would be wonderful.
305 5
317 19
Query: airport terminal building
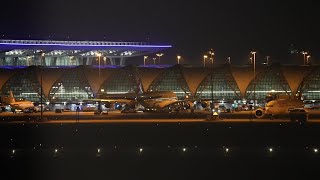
68 72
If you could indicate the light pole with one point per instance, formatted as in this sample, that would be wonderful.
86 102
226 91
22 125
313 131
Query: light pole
99 89
212 105
268 60
204 60
41 91
229 60
254 78
211 52
308 59
159 55
304 57
99 55
178 58
154 60
144 60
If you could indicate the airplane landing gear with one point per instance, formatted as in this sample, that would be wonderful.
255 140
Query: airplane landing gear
271 117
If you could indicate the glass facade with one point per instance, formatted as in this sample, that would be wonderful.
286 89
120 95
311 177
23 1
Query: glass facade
24 85
124 80
171 80
271 80
72 86
219 85
310 88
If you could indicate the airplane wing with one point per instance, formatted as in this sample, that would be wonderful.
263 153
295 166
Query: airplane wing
108 100
163 104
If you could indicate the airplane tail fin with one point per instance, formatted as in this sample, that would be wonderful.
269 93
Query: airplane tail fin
9 99
11 94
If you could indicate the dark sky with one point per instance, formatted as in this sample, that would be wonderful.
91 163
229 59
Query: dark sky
231 27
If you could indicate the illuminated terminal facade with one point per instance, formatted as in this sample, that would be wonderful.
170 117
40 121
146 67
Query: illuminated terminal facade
71 53
64 80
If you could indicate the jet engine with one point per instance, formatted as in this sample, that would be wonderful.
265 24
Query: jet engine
259 113
204 104
118 106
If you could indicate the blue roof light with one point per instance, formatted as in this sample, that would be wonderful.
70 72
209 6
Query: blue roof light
76 44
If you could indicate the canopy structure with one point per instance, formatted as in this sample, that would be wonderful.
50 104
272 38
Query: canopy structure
66 53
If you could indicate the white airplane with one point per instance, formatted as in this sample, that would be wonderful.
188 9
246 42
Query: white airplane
162 101
280 106
152 101
16 105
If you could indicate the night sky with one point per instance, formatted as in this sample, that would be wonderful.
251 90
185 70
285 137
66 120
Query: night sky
231 28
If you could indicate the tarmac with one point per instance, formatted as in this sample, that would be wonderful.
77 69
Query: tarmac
143 117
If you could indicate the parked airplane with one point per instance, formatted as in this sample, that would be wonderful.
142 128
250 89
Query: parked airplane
162 101
152 101
280 106
16 105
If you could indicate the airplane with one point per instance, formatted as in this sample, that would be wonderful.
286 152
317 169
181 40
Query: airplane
280 106
162 101
16 105
151 101
108 100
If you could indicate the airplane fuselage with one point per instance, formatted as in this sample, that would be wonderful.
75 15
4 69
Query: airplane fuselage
279 107
22 105
154 99
19 105
282 106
